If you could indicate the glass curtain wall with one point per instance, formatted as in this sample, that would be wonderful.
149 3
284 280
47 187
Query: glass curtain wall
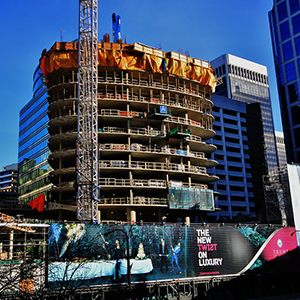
33 143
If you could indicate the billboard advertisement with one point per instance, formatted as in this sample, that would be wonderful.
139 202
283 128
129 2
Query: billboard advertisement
97 254
294 182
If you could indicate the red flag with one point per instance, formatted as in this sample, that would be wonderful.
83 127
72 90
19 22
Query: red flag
38 202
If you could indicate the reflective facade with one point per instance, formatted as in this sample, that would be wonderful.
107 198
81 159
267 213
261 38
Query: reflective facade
281 149
8 187
33 143
247 81
284 19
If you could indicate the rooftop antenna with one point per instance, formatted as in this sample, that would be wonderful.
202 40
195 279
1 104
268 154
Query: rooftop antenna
116 24
61 35
180 50
159 46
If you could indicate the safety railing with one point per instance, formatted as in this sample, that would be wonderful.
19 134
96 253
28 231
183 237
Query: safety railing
133 130
129 97
117 130
146 131
138 200
183 121
151 149
148 165
186 168
121 182
145 83
120 113
173 183
157 166
116 147
136 114
193 138
64 185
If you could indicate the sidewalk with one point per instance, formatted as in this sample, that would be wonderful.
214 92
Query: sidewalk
283 297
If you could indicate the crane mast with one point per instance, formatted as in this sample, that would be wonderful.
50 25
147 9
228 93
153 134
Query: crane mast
87 138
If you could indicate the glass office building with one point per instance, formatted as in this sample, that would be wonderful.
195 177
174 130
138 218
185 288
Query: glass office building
247 82
284 19
241 162
280 143
33 149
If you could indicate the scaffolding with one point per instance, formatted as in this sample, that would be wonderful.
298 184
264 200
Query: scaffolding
277 197
23 257
87 138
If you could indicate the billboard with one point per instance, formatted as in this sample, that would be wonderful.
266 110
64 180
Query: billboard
294 182
97 254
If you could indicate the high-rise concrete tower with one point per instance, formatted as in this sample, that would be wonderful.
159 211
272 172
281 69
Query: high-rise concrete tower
247 81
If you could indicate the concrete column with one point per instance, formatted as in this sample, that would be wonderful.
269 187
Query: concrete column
128 214
131 196
132 216
187 221
1 250
188 150
11 244
99 216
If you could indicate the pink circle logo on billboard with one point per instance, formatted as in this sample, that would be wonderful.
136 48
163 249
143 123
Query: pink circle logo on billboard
282 242
279 243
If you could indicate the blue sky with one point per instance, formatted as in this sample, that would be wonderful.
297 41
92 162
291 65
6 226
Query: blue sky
207 29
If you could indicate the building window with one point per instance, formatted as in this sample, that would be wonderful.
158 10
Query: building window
229 112
297 137
282 12
293 92
232 149
295 110
285 31
287 51
294 6
229 69
290 71
223 69
297 43
299 64
296 24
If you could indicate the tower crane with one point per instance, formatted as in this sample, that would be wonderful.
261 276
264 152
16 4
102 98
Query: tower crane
88 192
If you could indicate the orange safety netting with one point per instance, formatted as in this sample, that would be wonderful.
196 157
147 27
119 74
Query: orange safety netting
127 60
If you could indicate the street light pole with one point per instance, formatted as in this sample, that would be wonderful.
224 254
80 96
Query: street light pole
128 265
128 255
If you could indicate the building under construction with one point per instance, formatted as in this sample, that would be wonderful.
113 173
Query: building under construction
154 115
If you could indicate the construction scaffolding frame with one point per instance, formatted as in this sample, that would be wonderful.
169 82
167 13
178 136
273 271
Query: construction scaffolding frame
23 257
87 138
277 197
